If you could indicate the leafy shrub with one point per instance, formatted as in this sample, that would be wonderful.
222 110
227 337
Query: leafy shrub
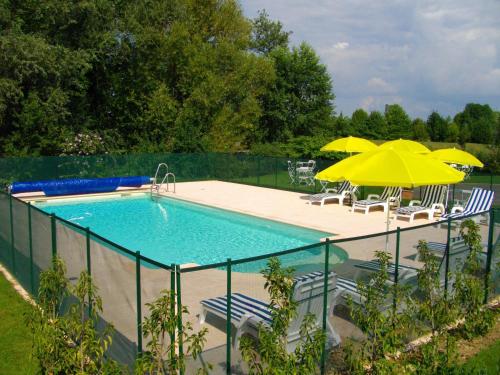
270 356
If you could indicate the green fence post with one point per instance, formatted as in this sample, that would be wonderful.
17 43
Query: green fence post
325 302
228 318
276 172
489 256
447 255
30 243
54 234
139 302
12 250
179 320
396 264
89 264
172 311
258 170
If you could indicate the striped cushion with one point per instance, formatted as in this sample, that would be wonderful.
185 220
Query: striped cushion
309 276
347 284
241 304
374 265
479 201
366 202
390 192
433 194
410 210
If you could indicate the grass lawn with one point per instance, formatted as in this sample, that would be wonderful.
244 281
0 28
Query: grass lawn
15 339
487 359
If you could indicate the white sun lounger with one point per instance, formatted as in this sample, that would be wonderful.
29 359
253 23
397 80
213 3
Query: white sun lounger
247 313
391 194
431 203
345 190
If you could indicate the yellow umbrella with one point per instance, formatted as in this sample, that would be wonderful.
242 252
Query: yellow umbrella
405 145
389 167
455 156
350 144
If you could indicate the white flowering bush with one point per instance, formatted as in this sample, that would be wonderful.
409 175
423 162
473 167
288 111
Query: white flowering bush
84 144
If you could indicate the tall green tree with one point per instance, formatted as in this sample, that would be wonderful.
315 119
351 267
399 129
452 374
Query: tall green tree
267 35
359 122
437 127
398 122
477 123
376 126
420 130
301 100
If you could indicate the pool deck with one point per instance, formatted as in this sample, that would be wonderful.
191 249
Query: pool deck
287 207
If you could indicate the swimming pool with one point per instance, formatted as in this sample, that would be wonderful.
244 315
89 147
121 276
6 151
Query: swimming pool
174 231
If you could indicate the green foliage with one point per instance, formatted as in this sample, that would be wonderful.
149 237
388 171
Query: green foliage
384 325
437 127
268 35
161 356
398 122
300 100
376 126
420 132
477 123
269 356
437 310
469 285
69 342
359 122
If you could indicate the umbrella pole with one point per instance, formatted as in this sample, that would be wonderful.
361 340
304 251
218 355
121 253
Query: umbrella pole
388 223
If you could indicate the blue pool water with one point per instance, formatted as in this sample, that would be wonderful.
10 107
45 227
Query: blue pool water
174 231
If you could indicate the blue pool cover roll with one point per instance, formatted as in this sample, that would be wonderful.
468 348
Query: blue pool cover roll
71 186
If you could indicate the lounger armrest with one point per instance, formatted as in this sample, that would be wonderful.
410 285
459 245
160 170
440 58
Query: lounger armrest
395 201
372 197
414 203
438 207
331 190
456 209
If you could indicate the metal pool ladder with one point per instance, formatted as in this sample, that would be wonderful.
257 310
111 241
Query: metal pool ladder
168 178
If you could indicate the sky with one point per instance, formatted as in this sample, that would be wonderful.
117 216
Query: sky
425 55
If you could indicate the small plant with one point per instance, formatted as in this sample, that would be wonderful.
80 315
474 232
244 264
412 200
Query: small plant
69 343
376 315
469 286
270 355
437 310
161 356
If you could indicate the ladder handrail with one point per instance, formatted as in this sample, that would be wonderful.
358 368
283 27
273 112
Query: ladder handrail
157 186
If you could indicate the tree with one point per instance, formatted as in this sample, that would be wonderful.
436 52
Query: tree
478 123
376 126
437 127
268 35
420 130
452 133
398 122
155 75
300 101
359 122
343 127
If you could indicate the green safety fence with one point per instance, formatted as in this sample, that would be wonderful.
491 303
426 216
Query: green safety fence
265 171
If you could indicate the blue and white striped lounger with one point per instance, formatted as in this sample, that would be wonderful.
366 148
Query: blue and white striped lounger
431 203
391 194
480 201
248 313
345 190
